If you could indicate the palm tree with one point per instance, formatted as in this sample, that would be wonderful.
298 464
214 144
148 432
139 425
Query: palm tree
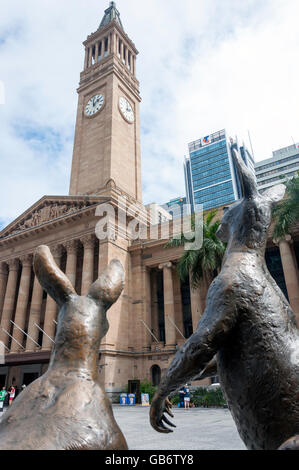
201 264
286 213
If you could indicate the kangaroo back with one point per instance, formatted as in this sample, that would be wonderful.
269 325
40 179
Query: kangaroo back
67 407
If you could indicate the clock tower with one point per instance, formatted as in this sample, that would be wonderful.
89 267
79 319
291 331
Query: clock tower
107 135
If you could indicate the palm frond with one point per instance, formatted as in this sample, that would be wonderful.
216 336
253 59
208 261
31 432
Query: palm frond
286 213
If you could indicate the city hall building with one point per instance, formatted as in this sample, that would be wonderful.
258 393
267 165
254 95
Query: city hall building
156 311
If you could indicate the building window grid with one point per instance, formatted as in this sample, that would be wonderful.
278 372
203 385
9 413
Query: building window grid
219 201
279 178
220 189
201 183
225 194
221 195
225 184
217 167
278 162
210 166
214 163
209 148
280 170
207 151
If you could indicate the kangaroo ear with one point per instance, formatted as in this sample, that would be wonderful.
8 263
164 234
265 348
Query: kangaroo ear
110 284
247 178
276 193
51 278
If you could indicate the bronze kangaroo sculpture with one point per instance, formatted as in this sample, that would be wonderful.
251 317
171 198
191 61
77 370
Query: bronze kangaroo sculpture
250 326
67 408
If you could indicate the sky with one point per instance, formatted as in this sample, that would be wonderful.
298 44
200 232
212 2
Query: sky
203 65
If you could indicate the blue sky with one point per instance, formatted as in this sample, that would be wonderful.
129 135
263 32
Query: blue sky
203 65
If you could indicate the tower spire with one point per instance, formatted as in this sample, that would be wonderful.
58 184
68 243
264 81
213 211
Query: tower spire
111 14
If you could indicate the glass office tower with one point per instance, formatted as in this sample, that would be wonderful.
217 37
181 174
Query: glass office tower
210 175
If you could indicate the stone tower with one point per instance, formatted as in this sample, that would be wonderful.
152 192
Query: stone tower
107 136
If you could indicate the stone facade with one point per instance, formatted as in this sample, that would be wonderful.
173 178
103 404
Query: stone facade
156 311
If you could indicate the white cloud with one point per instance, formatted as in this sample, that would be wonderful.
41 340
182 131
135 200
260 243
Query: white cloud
203 65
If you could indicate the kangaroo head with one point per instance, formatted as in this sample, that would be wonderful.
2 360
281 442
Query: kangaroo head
82 320
245 223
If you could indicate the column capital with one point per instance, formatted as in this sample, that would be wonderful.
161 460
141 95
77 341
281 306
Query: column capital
168 265
88 240
71 246
26 260
13 264
286 238
56 251
3 267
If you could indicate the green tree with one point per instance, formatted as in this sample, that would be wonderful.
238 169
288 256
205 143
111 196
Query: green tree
286 213
202 263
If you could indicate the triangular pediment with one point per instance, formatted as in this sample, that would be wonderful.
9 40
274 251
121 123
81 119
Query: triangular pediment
47 209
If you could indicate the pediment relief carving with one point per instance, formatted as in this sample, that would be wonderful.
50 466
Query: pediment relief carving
46 213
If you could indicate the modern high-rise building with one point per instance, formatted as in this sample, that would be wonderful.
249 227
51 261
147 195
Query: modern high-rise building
210 175
283 164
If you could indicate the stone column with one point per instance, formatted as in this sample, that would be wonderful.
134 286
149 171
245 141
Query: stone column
51 308
127 57
88 262
290 272
3 283
147 307
196 307
103 48
122 52
170 331
179 320
198 300
86 58
90 56
34 315
108 44
22 303
154 305
117 45
96 53
113 43
71 247
9 300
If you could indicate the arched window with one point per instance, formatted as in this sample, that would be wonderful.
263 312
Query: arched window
156 375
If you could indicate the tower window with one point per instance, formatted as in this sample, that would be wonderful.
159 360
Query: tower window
106 47
100 51
119 48
124 55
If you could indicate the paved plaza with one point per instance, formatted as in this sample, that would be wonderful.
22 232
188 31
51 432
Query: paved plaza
197 429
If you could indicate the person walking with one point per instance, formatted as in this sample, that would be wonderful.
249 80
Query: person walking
181 397
12 394
6 400
187 396
3 394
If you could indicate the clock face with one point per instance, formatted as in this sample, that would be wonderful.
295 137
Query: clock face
126 109
94 105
